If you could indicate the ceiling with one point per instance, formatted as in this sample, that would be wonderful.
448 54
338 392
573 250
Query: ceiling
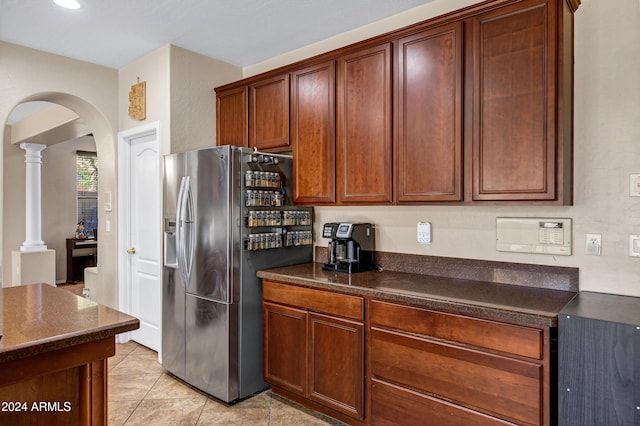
116 33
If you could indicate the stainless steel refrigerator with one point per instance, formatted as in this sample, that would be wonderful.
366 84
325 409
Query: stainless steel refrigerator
227 214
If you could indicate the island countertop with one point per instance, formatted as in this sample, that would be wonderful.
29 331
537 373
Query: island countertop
504 302
39 318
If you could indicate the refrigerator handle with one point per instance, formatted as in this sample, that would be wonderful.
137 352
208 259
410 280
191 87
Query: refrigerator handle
180 243
190 230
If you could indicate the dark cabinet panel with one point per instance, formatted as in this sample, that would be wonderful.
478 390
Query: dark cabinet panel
232 123
285 347
336 376
515 82
599 361
269 113
429 108
313 134
364 126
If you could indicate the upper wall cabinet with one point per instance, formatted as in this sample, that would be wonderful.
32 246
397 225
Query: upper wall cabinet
364 126
429 113
313 134
521 102
269 113
472 107
231 117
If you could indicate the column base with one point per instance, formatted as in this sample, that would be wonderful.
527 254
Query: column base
33 246
31 267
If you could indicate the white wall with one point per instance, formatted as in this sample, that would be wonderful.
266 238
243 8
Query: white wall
607 150
88 90
193 101
154 70
180 95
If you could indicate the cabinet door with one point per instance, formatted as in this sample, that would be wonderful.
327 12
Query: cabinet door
269 113
232 123
507 387
336 375
429 165
514 102
285 347
313 134
364 126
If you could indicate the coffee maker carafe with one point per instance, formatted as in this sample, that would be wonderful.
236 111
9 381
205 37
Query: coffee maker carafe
351 247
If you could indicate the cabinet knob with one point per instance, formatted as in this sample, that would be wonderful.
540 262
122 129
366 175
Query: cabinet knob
132 250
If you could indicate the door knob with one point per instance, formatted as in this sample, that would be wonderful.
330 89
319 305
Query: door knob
132 250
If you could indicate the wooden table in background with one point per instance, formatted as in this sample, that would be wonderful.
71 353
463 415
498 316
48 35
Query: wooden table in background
80 254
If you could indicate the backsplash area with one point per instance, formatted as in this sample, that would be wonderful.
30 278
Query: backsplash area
539 276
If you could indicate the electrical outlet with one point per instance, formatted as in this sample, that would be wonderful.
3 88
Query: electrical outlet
594 244
424 232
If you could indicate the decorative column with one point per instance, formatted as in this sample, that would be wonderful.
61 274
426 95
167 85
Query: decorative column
33 193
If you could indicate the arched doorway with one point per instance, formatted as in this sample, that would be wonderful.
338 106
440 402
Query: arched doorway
13 226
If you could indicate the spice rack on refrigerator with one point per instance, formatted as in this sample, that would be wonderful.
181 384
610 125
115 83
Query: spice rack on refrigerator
271 221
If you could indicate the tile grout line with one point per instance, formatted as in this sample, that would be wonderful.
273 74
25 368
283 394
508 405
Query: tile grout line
145 395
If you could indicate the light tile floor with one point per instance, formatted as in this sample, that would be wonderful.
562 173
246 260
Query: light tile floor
141 392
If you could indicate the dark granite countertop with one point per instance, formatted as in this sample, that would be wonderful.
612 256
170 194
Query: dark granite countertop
517 304
39 318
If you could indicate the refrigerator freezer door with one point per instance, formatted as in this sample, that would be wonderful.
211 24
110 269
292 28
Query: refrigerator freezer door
208 171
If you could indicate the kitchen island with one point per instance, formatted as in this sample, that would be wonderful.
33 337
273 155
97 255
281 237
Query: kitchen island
458 341
53 356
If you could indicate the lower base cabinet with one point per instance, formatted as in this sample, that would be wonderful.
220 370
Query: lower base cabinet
393 405
423 366
456 370
314 348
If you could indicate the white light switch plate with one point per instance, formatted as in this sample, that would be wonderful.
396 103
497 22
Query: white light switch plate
424 232
593 244
634 245
634 185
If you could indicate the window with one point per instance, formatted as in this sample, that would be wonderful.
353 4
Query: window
87 191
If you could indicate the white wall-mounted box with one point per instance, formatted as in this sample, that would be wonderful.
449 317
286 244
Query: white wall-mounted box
534 235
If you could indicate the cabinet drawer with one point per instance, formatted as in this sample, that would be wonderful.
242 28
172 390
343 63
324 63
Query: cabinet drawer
512 339
314 300
394 405
499 385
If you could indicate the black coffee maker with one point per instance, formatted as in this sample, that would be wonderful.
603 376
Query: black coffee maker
350 248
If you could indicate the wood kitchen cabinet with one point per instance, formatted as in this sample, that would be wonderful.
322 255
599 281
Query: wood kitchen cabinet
429 110
314 348
471 107
455 370
269 113
364 126
232 122
313 134
519 71
285 347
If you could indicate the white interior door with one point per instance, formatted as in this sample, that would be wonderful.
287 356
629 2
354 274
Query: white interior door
140 245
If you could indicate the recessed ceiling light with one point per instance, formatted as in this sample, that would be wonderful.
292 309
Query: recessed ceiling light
69 4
